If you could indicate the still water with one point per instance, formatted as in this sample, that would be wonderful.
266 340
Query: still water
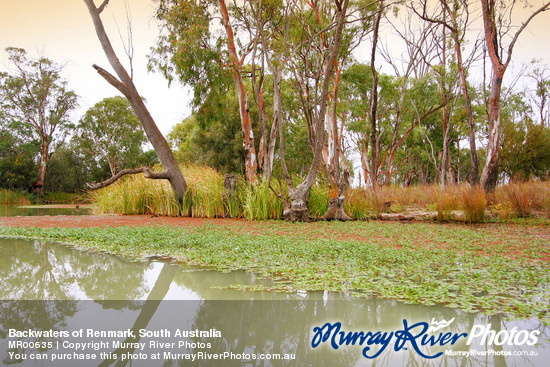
36 210
46 286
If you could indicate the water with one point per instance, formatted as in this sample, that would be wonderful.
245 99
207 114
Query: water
97 291
37 210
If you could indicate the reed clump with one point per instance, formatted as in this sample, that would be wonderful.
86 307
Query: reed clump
10 197
259 202
524 198
474 203
206 197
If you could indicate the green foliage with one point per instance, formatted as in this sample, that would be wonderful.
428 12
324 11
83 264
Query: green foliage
68 171
188 50
216 143
110 131
17 166
525 150
37 101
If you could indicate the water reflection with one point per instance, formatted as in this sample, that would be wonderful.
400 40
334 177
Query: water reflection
38 210
259 322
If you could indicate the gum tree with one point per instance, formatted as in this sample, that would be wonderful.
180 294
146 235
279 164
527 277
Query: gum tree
125 85
111 130
37 97
497 15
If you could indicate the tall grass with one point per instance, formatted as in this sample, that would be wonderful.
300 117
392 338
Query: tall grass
259 202
14 197
205 192
474 204
525 197
206 197
137 195
357 204
319 196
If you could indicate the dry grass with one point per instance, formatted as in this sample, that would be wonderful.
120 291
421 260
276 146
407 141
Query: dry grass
473 203
524 198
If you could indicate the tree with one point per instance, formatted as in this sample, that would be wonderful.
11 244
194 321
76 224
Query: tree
455 18
244 109
125 85
541 96
37 98
111 130
295 207
497 25
217 144
204 59
525 146
18 169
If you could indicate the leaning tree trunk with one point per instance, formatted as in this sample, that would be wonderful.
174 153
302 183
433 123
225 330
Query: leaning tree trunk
126 86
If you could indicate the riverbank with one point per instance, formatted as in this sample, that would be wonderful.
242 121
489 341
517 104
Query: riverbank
493 268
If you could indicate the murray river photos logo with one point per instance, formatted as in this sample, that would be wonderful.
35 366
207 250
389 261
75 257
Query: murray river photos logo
417 337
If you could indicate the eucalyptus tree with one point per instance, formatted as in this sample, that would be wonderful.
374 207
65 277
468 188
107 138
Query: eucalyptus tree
455 17
125 85
413 102
37 98
363 20
313 64
540 95
110 130
18 169
525 144
264 34
500 37
193 52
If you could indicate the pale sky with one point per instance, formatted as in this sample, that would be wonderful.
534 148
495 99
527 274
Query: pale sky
62 31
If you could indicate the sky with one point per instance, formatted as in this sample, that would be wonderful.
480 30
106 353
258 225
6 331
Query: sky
62 30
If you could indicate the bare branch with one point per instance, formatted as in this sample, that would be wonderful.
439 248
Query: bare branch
111 79
543 8
130 171
102 6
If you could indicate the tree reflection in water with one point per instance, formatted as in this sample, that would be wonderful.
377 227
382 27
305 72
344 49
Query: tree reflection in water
249 322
